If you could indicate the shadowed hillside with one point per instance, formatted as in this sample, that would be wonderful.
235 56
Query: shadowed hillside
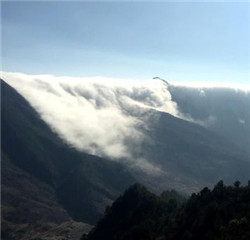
224 111
222 213
43 179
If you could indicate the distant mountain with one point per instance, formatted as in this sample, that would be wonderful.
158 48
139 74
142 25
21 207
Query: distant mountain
222 213
221 110
192 156
43 179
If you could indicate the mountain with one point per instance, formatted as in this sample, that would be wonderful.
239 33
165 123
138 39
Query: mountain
192 156
45 181
221 110
203 140
30 209
48 185
221 213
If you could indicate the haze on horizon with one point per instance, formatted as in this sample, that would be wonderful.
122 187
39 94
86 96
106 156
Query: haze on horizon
181 42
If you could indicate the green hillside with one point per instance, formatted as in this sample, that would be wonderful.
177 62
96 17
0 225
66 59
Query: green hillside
222 213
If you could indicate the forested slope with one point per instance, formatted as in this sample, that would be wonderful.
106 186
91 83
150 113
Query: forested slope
222 213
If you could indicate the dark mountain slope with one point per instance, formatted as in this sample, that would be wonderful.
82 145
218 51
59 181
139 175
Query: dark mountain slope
193 156
32 149
224 111
29 207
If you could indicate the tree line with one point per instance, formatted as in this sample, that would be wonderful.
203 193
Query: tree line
222 213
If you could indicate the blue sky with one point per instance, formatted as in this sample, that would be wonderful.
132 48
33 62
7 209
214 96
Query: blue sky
181 41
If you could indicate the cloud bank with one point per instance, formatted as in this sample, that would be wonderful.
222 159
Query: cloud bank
101 116
108 117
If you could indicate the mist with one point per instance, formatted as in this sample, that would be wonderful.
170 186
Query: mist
110 117
101 116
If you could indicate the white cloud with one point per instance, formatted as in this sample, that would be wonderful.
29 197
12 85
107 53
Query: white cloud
102 116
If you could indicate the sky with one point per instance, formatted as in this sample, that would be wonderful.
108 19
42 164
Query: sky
178 41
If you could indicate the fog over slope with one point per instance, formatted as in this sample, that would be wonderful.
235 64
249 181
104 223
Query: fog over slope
106 116
102 116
